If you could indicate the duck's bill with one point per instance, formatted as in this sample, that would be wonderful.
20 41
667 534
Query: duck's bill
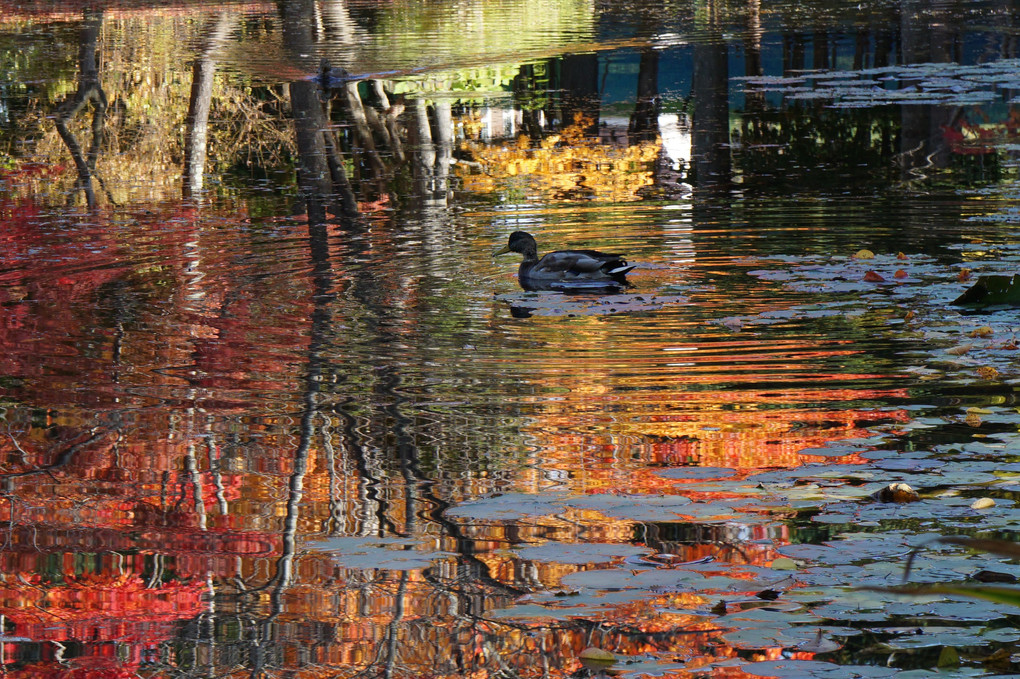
502 251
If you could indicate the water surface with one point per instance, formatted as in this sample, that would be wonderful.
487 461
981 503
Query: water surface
271 406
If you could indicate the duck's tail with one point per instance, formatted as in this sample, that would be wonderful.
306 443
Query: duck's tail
621 269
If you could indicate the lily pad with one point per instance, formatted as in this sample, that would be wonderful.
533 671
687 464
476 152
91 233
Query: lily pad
634 507
991 290
580 553
700 473
395 554
658 580
509 506
809 669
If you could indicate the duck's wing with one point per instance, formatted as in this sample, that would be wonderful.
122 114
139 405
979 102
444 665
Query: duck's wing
578 262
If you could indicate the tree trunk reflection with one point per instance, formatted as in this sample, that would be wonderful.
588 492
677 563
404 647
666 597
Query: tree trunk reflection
197 127
89 90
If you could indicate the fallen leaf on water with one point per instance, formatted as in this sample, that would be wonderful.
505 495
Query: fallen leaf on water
910 315
959 350
900 273
990 290
982 503
900 255
864 254
964 275
987 372
900 493
983 331
948 657
819 644
596 658
873 277
993 576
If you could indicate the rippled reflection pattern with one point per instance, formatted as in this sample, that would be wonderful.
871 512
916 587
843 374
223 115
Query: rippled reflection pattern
269 405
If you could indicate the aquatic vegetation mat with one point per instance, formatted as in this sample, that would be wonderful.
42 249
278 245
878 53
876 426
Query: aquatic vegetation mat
948 84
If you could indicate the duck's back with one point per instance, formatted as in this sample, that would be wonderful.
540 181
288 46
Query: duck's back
577 264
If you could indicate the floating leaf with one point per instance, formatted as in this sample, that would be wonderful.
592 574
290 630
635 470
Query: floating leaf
396 554
510 506
987 576
991 290
819 644
899 493
580 553
987 372
633 507
808 669
873 277
596 659
699 473
864 254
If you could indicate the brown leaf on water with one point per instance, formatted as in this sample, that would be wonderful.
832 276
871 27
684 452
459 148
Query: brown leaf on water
864 254
900 493
987 372
900 273
910 315
964 275
959 350
873 277
900 255
983 331
993 576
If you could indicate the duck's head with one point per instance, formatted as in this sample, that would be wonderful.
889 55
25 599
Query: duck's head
522 242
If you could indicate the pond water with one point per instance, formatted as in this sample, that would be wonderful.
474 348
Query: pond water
270 405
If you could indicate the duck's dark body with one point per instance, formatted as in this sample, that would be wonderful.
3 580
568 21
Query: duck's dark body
565 268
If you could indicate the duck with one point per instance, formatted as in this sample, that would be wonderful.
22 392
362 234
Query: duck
565 269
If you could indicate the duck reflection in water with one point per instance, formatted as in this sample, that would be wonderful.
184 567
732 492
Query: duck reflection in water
566 270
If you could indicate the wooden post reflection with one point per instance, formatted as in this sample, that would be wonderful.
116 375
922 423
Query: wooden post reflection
711 126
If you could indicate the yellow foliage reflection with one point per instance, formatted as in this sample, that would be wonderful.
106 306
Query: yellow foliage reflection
562 166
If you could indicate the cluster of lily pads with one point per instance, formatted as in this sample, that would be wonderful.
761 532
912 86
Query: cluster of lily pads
811 598
914 297
931 83
818 598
